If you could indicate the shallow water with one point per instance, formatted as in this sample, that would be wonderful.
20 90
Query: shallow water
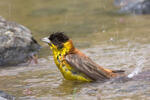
112 40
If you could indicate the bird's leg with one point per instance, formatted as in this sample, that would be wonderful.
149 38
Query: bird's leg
33 58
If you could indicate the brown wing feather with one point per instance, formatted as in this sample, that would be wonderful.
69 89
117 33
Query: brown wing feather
87 66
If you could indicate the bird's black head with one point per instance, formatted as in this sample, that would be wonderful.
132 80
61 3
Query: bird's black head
58 39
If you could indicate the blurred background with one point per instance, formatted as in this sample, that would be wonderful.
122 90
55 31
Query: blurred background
97 19
113 39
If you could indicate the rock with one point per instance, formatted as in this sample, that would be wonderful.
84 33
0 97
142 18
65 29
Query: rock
16 43
5 96
134 6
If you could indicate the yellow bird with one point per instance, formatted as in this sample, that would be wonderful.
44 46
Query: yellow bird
73 64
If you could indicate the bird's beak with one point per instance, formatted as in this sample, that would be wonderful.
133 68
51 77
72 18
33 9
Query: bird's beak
46 40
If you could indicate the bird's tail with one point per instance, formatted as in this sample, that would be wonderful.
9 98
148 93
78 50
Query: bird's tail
118 71
115 73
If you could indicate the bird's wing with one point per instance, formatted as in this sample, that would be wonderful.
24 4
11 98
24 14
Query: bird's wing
87 66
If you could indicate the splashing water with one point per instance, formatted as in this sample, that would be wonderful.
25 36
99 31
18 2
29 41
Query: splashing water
139 67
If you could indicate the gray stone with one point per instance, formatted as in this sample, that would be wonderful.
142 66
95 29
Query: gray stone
16 43
134 6
5 96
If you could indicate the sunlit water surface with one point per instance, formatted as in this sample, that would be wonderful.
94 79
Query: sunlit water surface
112 40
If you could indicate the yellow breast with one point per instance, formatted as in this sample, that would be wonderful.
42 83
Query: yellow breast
67 71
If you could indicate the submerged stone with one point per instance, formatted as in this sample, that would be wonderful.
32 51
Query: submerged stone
16 43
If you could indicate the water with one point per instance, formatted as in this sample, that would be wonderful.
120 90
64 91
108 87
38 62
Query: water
139 66
112 40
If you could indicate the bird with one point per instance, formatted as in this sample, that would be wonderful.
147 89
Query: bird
75 65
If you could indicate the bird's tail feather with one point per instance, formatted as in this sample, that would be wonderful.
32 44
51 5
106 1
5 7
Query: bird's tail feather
118 71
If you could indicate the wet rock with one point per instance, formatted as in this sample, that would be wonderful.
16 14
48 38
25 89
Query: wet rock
5 96
16 43
134 6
